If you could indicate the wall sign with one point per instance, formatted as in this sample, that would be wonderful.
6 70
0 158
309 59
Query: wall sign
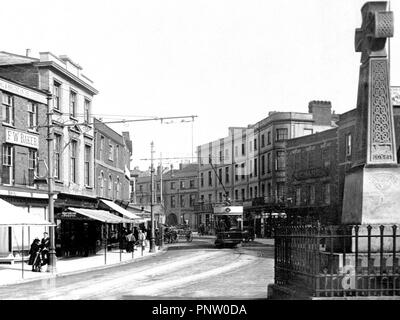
23 92
22 138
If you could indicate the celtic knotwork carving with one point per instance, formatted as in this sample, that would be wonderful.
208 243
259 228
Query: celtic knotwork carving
384 24
381 124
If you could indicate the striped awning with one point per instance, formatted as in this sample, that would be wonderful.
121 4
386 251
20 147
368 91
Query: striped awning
120 210
101 215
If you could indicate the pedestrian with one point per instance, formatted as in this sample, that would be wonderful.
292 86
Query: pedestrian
157 235
130 238
142 239
136 233
146 235
45 246
201 229
35 247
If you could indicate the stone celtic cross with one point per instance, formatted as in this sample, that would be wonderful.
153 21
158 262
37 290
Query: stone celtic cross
375 142
371 191
377 26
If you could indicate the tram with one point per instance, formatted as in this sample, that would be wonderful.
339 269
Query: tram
228 224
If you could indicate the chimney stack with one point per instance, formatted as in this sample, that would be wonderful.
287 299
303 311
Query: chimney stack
28 51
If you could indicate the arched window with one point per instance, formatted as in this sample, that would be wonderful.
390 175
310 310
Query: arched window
118 189
110 186
101 182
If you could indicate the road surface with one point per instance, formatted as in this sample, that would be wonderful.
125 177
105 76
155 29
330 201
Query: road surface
195 270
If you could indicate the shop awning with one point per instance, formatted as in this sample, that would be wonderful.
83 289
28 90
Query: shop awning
11 215
101 215
120 210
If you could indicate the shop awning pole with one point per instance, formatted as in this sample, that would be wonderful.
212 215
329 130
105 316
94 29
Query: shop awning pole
22 252
120 242
105 243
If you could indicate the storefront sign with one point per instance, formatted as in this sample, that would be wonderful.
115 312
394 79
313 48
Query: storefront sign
310 173
23 92
228 210
22 138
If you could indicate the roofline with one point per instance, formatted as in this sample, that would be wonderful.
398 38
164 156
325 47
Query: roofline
104 124
41 64
314 134
21 56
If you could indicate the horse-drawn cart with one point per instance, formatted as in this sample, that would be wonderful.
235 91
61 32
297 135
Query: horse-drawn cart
175 233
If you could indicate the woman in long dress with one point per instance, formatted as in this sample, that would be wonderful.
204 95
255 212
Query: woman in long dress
35 246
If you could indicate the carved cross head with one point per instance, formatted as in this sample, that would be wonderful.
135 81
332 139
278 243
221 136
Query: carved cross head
377 26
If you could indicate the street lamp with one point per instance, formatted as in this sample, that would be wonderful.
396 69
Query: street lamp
152 236
52 267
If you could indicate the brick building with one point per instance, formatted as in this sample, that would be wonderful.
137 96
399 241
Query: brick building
317 166
75 175
23 156
112 161
73 95
252 164
176 192
73 141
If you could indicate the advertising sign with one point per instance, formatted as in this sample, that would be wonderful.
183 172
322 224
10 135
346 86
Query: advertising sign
229 210
22 138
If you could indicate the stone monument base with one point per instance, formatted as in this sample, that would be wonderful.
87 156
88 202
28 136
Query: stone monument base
372 196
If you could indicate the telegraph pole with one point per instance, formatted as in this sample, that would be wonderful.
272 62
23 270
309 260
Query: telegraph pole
152 235
52 267
161 223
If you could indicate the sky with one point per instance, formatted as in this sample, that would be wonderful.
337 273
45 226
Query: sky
228 62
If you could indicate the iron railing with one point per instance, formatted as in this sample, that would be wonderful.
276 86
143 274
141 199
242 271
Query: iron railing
338 261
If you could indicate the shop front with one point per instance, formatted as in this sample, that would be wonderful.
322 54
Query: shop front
84 232
263 219
34 203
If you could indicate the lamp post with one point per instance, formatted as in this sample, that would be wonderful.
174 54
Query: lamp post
52 267
152 235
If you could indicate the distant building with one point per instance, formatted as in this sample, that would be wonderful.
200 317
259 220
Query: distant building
112 162
177 192
318 163
251 164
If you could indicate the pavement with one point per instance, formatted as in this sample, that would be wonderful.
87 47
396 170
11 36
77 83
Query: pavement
22 272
